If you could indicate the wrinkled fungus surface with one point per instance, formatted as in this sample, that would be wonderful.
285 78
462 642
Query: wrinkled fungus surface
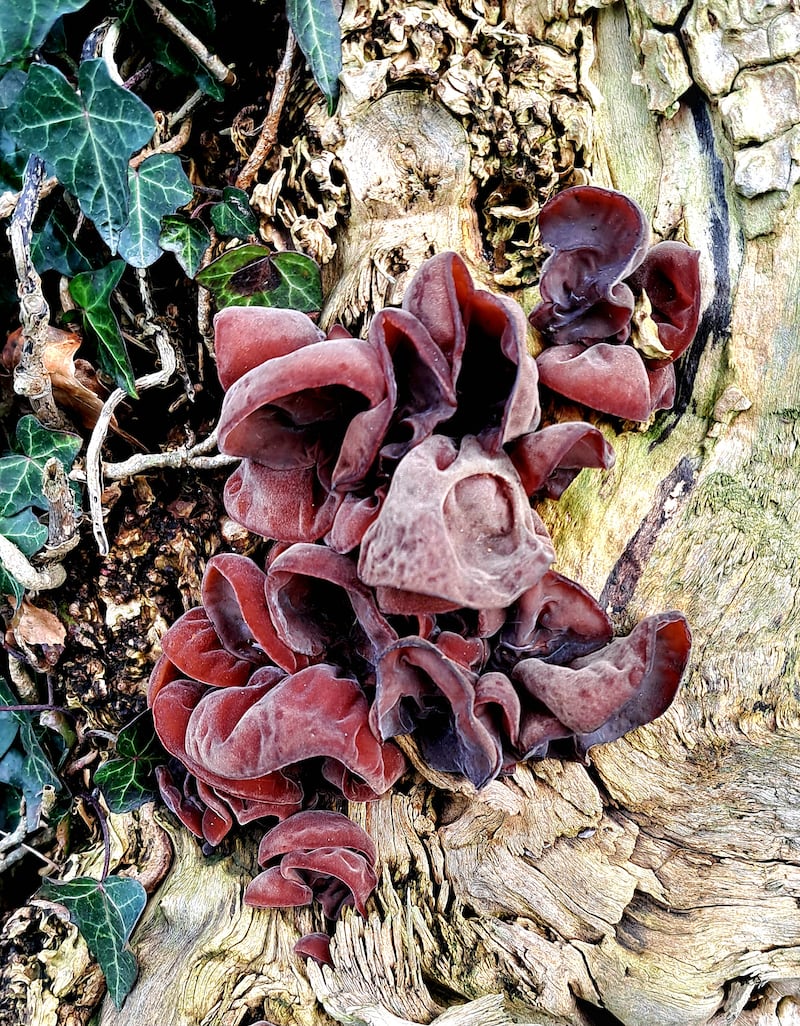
614 314
409 587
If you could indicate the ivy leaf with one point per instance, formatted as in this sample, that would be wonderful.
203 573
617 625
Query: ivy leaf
252 276
129 780
43 444
30 771
25 531
20 485
23 27
316 27
29 535
12 159
105 912
186 237
158 187
54 249
92 292
86 137
234 217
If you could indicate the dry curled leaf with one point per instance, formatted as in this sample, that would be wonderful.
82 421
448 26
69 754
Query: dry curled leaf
76 387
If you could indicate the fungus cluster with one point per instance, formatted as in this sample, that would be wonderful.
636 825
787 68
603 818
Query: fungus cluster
409 585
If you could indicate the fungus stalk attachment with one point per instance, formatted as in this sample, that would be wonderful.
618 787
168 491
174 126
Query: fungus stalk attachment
408 588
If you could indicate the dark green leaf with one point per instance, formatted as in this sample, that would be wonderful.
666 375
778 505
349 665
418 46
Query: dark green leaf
158 187
86 137
12 159
10 586
54 249
252 276
105 912
186 237
8 731
20 485
23 26
316 27
128 781
92 292
234 216
25 531
43 444
33 773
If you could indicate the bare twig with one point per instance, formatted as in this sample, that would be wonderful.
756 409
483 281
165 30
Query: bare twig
158 379
269 130
19 566
30 376
172 145
215 67
62 523
197 99
10 200
193 456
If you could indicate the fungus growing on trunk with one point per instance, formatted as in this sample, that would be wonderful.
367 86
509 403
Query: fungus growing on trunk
598 275
409 587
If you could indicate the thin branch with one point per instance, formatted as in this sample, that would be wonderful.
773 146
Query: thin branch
30 376
269 130
99 811
32 579
10 200
158 379
215 67
194 457
172 145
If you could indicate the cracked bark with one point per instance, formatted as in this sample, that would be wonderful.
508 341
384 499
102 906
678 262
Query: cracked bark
659 885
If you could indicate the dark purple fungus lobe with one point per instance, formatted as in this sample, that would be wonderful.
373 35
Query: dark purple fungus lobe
321 855
316 946
483 338
321 608
254 732
234 597
556 620
623 685
422 691
426 393
670 276
597 237
609 378
308 420
456 526
549 460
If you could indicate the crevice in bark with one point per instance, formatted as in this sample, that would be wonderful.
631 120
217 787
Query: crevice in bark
715 323
671 494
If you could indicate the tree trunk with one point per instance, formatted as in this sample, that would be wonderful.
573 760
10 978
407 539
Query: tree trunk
661 881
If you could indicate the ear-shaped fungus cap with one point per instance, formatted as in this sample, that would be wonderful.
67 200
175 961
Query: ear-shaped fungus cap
245 733
308 414
609 378
627 683
320 606
548 461
597 237
556 621
323 855
670 275
456 526
422 690
483 339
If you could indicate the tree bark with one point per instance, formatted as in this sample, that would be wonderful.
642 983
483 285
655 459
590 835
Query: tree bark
661 881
